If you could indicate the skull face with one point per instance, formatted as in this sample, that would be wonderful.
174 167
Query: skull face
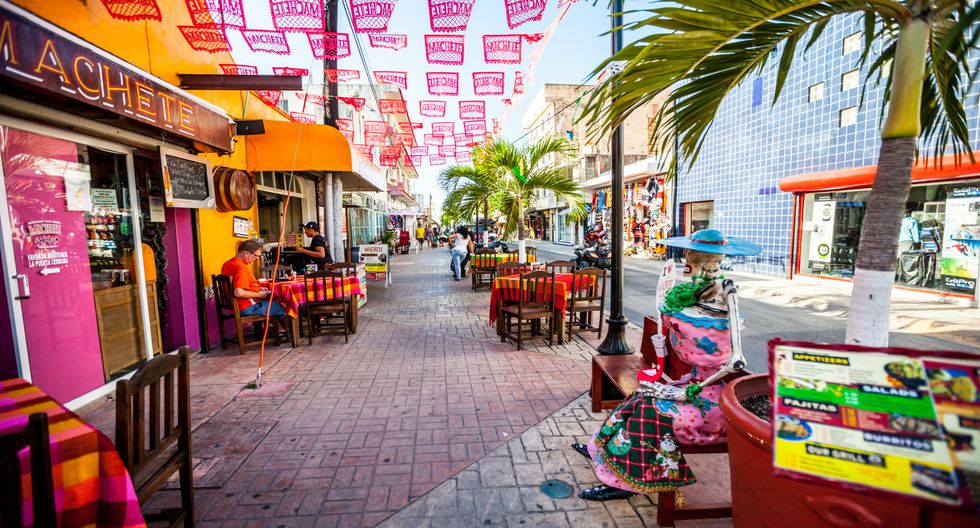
701 263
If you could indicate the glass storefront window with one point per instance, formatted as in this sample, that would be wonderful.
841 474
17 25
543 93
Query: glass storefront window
939 244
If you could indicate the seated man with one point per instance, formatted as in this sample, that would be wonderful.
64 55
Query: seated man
252 298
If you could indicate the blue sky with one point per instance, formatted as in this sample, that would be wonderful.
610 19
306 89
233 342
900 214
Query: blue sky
574 50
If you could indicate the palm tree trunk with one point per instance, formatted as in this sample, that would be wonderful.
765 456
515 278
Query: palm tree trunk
874 274
521 245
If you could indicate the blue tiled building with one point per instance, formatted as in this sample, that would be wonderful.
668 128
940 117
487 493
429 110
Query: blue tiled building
818 133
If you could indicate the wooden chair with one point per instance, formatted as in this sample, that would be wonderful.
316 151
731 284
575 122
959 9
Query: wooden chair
483 272
531 251
226 305
281 272
534 304
583 303
320 304
560 266
347 268
34 436
168 446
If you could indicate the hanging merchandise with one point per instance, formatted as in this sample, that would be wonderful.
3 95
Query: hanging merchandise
133 9
228 13
329 45
397 78
442 83
210 39
371 16
449 15
523 11
267 41
502 49
472 110
488 83
290 72
303 17
388 40
432 108
444 49
336 76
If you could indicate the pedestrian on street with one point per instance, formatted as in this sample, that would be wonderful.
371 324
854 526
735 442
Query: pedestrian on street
428 236
461 245
420 236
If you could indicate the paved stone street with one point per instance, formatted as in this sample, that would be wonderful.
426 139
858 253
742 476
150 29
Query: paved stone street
423 399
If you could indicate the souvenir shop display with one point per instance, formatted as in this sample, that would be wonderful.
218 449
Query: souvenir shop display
645 214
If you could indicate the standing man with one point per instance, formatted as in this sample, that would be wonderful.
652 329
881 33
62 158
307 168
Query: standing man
251 297
316 252
420 235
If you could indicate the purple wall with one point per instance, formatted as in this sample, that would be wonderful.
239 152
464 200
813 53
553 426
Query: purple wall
8 362
182 328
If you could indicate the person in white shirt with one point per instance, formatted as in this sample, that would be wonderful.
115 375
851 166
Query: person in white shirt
461 244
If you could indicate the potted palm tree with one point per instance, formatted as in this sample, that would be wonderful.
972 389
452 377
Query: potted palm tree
696 52
511 176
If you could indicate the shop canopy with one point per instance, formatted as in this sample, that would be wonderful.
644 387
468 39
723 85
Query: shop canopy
925 171
288 146
398 194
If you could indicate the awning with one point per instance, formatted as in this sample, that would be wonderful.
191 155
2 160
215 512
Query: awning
926 170
289 146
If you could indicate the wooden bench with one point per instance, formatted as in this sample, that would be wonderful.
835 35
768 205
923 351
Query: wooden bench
614 378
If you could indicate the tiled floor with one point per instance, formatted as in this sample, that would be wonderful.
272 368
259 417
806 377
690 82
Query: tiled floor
348 434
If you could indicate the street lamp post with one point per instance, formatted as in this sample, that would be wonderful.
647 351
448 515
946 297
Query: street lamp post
615 340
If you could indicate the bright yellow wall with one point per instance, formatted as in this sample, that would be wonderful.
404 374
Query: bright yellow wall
160 49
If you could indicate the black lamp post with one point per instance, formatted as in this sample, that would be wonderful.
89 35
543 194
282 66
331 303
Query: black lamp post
615 340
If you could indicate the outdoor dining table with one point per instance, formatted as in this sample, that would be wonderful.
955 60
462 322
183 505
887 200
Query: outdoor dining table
91 484
490 260
508 289
292 293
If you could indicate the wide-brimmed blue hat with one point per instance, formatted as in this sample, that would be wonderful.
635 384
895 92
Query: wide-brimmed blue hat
713 241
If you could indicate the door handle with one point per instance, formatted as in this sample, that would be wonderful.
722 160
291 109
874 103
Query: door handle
24 287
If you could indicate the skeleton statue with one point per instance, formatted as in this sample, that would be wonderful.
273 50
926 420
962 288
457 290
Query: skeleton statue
639 448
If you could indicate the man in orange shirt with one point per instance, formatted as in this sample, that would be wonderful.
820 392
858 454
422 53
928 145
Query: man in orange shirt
252 298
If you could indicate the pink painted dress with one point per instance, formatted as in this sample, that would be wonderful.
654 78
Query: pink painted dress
639 448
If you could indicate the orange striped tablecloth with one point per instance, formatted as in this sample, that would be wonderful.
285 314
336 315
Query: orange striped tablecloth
291 294
490 261
91 484
508 289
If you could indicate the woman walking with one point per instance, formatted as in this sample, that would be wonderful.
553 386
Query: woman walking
461 244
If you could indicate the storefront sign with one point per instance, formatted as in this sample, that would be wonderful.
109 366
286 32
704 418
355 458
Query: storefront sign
821 227
375 260
961 239
895 421
187 180
46 250
240 227
36 54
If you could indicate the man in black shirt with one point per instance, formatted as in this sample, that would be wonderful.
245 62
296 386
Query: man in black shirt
316 252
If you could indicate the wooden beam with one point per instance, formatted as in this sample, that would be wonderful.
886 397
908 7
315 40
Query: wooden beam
201 81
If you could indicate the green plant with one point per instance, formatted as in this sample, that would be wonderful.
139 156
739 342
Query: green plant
698 51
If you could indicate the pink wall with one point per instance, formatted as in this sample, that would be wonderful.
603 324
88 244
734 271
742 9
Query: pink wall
182 324
8 363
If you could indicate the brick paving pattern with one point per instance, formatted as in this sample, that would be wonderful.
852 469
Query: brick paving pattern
348 434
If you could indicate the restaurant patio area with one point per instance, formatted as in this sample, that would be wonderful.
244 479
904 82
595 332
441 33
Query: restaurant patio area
424 402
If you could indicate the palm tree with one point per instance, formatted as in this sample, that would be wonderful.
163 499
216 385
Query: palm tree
511 176
705 48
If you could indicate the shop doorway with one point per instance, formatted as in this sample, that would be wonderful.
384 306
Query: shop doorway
74 278
698 216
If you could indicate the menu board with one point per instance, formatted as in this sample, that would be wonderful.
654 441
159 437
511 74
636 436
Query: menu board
901 422
186 179
375 259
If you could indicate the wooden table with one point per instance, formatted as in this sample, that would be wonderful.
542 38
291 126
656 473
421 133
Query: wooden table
489 260
507 289
292 293
92 487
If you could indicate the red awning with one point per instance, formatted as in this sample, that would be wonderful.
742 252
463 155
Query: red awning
927 170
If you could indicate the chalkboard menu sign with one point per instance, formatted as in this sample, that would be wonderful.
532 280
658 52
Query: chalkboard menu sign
187 179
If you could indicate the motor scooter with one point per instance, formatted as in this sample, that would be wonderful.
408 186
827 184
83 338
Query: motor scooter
597 255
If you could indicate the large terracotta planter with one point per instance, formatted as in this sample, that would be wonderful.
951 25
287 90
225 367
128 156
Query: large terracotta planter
760 499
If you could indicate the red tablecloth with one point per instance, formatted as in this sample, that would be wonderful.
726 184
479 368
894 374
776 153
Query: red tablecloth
508 289
91 485
291 294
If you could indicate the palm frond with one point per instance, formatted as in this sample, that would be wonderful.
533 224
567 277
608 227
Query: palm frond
712 47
